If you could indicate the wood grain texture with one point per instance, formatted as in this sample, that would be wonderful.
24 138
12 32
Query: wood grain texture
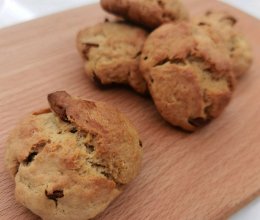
200 176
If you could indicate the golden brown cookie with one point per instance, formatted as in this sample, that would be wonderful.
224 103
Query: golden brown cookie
240 50
112 52
149 13
71 162
188 72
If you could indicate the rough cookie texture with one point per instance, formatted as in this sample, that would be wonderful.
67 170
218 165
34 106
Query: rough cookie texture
149 13
72 162
188 72
112 53
239 48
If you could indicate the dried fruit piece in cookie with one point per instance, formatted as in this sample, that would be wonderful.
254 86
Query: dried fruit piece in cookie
149 13
112 53
188 72
240 50
74 160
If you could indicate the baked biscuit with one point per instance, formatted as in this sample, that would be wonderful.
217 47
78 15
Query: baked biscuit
188 72
149 13
72 162
112 52
240 50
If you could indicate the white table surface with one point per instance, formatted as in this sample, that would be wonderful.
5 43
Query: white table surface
17 11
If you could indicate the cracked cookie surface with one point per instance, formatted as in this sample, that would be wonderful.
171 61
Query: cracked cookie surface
71 162
188 72
239 48
112 51
149 13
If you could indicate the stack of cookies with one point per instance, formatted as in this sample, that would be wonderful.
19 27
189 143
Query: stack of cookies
112 50
189 66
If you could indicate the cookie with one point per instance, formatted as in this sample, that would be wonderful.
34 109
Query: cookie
112 52
188 72
149 13
72 162
238 46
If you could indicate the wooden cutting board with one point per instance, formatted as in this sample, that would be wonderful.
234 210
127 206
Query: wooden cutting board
206 175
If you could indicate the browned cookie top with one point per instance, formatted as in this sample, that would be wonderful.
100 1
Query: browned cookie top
112 52
72 162
149 13
188 72
238 46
